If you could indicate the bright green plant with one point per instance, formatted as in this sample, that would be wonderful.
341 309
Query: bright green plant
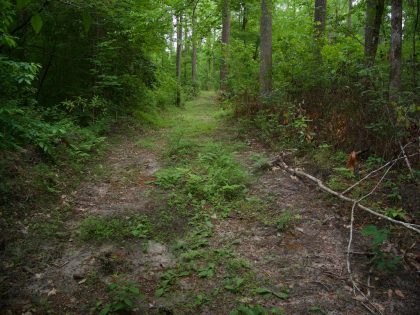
123 296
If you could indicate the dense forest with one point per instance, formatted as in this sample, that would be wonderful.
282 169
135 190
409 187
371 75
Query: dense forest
177 127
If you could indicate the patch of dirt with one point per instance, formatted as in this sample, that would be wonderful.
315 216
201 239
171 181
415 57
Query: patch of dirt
80 273
310 257
124 191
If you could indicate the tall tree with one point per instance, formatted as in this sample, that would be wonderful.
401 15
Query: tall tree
178 57
266 64
225 42
320 16
194 45
374 15
396 44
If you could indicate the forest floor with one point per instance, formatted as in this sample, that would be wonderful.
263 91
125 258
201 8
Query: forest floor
191 219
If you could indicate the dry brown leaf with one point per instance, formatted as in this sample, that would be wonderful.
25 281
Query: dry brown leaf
399 293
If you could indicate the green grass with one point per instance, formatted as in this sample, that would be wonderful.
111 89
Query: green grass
114 228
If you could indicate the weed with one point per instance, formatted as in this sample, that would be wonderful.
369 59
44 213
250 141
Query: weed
238 264
261 161
201 299
207 271
344 172
256 310
396 213
114 228
235 285
283 294
287 220
336 183
374 162
168 279
122 295
382 260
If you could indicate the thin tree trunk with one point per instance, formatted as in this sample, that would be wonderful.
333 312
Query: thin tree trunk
225 43
320 17
414 67
178 58
374 15
194 48
396 47
245 16
266 47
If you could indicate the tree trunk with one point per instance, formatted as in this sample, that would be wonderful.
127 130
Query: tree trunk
374 14
194 48
178 58
266 47
244 15
320 17
414 67
225 43
396 45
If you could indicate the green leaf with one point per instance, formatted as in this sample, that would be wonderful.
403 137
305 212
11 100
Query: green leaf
263 291
105 310
87 21
134 290
20 4
160 292
36 22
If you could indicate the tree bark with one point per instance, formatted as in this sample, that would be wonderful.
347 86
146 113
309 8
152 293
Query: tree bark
178 58
225 43
396 47
414 67
194 48
320 17
244 15
266 63
374 15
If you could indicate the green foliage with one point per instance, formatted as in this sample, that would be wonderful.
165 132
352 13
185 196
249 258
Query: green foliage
123 296
261 161
213 176
287 220
382 260
235 285
256 310
168 279
114 228
283 294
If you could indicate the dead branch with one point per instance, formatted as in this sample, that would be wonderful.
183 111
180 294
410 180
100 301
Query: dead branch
279 161
377 170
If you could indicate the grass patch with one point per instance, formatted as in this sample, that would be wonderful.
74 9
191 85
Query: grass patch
114 228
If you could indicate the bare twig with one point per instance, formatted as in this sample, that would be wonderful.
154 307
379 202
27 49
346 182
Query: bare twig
375 171
300 173
406 159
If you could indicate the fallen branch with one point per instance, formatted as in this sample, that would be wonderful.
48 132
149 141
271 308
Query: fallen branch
279 161
377 170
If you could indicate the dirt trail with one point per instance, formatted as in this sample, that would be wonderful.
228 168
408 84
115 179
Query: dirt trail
306 260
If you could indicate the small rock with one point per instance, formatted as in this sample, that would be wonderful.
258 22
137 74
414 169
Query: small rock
78 276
